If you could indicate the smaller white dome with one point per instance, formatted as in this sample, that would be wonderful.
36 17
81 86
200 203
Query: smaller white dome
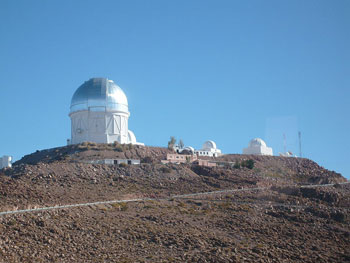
131 137
189 149
208 145
257 142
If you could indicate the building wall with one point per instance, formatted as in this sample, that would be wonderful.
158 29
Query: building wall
206 163
213 153
258 150
99 127
115 161
179 158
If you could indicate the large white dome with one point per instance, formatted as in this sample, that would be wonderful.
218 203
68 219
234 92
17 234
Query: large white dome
257 142
99 94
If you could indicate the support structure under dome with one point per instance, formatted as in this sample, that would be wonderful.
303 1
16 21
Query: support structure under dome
99 113
257 147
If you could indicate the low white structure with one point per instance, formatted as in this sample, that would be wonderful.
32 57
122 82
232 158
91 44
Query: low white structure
115 161
5 161
287 154
209 149
99 113
258 147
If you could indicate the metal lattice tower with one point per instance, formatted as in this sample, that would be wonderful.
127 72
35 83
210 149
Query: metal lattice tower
300 154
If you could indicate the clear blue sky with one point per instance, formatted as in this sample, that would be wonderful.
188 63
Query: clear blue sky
227 71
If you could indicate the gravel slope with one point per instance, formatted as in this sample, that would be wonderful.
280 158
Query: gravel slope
283 224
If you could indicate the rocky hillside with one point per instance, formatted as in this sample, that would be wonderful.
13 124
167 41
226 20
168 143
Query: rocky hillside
92 151
282 222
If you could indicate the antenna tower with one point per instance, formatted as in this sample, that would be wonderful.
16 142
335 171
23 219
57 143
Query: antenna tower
299 133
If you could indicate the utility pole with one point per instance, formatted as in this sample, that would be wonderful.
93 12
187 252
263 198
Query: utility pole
300 155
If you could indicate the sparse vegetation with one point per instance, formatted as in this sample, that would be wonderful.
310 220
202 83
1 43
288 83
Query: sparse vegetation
245 163
120 206
118 148
237 165
171 143
123 206
181 144
248 164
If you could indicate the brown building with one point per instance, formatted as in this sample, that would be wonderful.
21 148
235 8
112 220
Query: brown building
179 158
206 163
187 158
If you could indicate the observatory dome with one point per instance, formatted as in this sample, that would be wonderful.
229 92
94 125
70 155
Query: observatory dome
99 94
257 142
209 149
189 149
208 145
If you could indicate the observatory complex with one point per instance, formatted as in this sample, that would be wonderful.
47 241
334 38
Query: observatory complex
258 147
99 113
209 149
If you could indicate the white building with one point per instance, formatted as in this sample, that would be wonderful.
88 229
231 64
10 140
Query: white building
258 147
209 149
5 161
115 161
287 154
99 113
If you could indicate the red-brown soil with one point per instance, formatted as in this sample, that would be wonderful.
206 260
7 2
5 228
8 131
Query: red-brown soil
284 223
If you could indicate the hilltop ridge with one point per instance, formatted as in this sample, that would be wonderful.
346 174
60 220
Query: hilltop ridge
284 221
